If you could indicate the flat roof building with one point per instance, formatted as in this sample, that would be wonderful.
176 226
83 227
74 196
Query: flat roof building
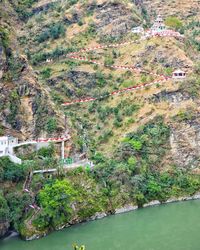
6 148
179 74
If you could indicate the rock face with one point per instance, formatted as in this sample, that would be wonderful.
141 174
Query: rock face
115 19
77 83
3 228
174 97
185 144
29 98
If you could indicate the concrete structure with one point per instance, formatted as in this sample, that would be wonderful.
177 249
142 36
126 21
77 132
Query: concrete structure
8 143
6 148
179 74
138 30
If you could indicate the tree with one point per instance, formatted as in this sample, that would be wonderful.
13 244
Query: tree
17 203
48 152
51 125
76 247
56 201
10 171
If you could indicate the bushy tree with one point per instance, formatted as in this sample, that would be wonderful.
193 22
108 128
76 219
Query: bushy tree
17 203
10 171
56 202
51 125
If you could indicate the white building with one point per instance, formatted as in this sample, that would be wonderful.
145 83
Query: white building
158 25
6 144
138 30
179 74
6 148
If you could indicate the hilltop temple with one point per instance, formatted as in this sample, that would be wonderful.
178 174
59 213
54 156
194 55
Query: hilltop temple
159 29
158 25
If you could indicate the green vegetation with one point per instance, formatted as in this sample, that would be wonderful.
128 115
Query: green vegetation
76 247
4 37
51 125
22 8
4 209
55 199
10 171
14 108
174 22
46 73
54 31
193 29
134 175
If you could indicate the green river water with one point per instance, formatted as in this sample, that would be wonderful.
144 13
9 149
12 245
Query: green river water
168 227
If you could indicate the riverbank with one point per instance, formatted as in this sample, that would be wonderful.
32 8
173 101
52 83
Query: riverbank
130 208
125 209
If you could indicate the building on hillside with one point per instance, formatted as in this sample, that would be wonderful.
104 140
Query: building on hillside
158 25
138 30
6 148
179 74
6 143
159 29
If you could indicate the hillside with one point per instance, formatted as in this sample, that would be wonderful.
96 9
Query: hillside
123 109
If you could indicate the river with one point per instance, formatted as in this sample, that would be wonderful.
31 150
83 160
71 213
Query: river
173 226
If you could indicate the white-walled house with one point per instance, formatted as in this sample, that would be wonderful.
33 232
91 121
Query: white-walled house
6 144
6 148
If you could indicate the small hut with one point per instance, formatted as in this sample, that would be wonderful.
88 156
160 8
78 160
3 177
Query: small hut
179 74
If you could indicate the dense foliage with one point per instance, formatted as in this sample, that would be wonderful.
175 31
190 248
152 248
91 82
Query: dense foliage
135 175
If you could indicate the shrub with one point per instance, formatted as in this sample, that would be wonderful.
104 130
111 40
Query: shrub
55 31
46 73
47 152
4 209
174 22
10 171
51 125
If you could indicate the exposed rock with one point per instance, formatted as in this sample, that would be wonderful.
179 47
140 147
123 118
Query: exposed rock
4 226
76 81
152 203
115 19
98 216
124 209
174 97
29 99
43 7
185 144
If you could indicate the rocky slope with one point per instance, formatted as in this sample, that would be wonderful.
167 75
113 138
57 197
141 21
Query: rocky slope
25 104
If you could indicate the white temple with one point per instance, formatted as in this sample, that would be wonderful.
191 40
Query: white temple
6 148
158 25
159 29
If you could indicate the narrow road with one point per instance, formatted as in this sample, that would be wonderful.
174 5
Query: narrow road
74 165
